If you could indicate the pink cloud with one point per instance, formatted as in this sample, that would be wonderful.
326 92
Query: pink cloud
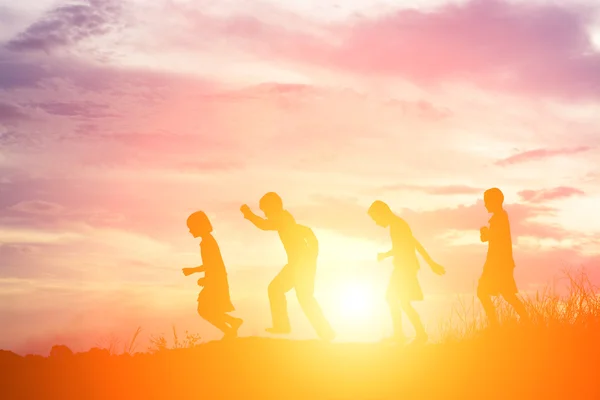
83 109
38 207
540 196
67 25
538 154
524 48
11 112
421 108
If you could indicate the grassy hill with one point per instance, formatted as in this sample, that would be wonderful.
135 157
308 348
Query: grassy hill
555 357
515 363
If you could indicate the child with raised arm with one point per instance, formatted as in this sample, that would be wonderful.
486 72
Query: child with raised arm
498 271
404 285
302 249
213 301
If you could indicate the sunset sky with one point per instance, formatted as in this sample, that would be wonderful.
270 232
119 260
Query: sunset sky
119 118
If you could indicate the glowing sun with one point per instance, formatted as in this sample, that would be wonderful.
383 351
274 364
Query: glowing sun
355 300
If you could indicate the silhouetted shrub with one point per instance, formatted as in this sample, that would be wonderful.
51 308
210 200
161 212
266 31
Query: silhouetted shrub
60 352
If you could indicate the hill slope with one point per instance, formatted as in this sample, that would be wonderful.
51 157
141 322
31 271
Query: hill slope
515 363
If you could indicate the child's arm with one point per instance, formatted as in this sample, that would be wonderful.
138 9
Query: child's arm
419 247
435 267
498 229
189 271
260 223
484 234
383 256
311 240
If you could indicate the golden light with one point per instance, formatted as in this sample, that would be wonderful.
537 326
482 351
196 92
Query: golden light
355 300
355 307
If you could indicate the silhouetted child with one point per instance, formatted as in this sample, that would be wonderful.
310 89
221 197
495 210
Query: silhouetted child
498 271
213 301
404 285
302 249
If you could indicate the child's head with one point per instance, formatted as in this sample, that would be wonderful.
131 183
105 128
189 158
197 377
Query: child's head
381 213
493 199
271 204
199 224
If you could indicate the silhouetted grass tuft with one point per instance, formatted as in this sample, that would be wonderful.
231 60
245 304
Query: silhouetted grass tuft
159 343
578 309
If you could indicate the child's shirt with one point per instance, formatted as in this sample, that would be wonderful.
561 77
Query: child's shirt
500 241
215 274
403 245
294 237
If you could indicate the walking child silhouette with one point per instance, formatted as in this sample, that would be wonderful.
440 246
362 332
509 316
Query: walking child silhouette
498 271
404 284
302 249
213 301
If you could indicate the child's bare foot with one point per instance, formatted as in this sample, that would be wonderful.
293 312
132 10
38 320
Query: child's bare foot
396 339
328 335
230 334
235 325
279 331
419 340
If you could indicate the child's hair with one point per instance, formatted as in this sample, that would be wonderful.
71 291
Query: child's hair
199 218
271 200
378 208
495 195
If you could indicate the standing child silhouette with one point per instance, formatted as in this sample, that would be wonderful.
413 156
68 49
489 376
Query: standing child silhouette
498 271
404 285
213 301
302 249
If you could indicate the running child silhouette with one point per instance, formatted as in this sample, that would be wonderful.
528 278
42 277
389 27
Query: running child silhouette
404 285
302 249
213 301
498 271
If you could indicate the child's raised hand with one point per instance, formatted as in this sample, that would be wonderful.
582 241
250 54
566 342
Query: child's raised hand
245 210
483 233
437 269
187 271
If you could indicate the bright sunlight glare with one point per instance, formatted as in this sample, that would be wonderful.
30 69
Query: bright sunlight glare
355 300
357 308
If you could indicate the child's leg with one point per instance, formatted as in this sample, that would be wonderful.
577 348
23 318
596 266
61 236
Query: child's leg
396 314
214 319
517 304
234 322
279 286
305 292
488 306
392 297
414 319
